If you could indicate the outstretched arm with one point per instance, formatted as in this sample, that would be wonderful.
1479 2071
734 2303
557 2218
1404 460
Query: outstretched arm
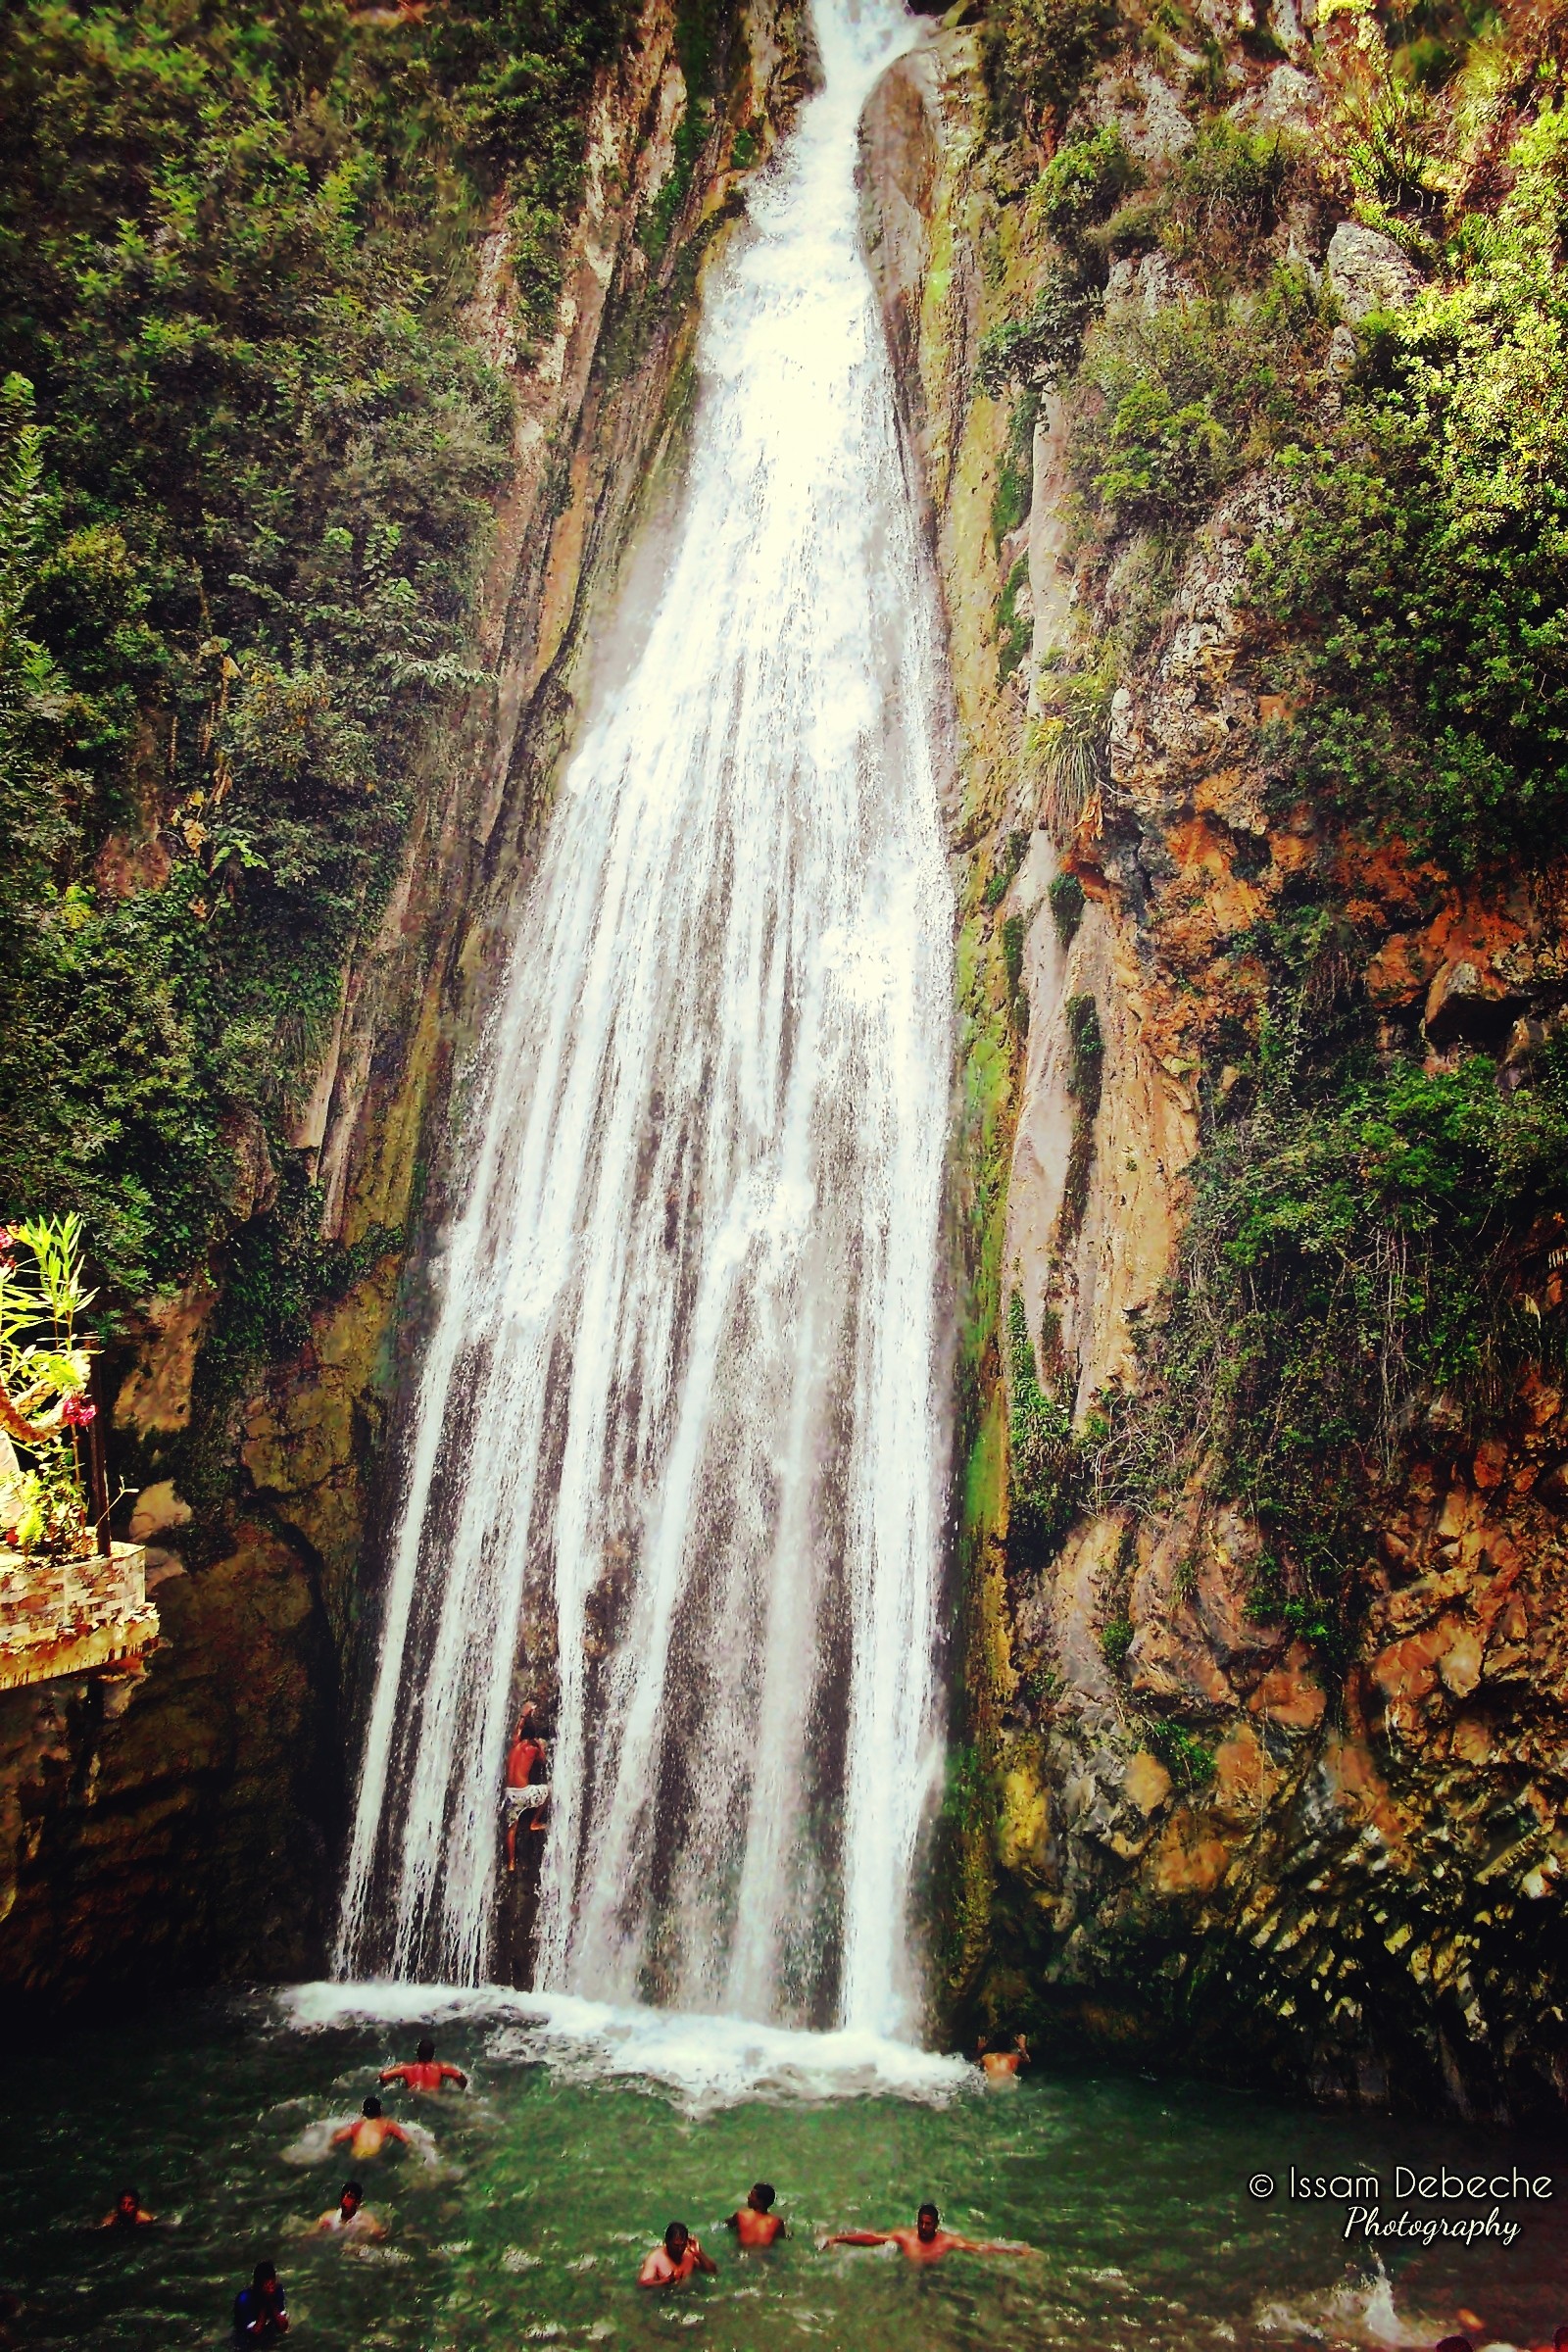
455 2074
346 2133
859 2238
393 2073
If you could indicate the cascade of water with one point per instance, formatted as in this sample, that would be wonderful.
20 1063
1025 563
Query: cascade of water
683 1376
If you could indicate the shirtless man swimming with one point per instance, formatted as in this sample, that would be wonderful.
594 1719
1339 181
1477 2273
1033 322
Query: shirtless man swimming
676 2259
352 2217
927 2241
1002 2066
756 2224
423 2072
127 2213
369 2132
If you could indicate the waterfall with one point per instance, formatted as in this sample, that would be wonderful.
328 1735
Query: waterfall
682 1401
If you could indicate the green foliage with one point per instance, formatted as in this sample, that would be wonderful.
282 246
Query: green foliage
1353 1252
1194 396
695 37
1186 1757
1221 199
1014 629
1115 1639
1014 489
1425 578
1065 897
1014 931
1086 1056
1042 348
43 1381
1037 55
242 512
1043 1456
1083 181
1014 850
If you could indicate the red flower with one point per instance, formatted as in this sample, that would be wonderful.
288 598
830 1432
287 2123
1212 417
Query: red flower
77 1412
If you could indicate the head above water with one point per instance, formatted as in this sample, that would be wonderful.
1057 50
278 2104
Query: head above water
927 2221
372 2108
127 2201
1559 2339
265 2275
1455 2343
677 2237
353 2197
524 1721
426 2051
761 2196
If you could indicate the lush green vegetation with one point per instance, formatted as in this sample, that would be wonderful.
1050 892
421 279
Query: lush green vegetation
1043 1457
1362 1253
1424 585
246 458
44 1375
1086 1056
1065 897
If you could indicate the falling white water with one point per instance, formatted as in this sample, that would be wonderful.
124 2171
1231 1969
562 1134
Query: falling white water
682 1396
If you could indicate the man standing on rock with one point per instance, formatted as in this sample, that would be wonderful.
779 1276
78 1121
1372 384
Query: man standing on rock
525 1752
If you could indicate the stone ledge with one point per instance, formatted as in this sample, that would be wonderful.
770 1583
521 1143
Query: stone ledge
76 1616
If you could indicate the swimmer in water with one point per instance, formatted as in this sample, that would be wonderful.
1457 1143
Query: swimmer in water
676 2259
423 2072
260 2310
927 2241
369 2132
352 2217
1002 2066
127 2213
756 2224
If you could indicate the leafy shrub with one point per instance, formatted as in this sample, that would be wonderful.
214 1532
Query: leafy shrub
1083 181
1014 850
1186 1758
1086 1055
246 466
1044 347
1014 489
1424 582
1163 462
44 1373
1351 1253
1222 196
1065 897
1040 1451
1037 56
1115 1639
1014 629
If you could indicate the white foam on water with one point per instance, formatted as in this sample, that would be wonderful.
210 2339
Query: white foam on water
701 2061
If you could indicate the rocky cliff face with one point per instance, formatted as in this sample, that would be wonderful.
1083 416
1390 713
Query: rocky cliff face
184 1823
1216 1798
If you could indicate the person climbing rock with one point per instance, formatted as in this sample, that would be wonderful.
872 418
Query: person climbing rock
756 2224
369 2133
524 1756
927 2241
126 2212
260 2310
1002 2066
423 2072
351 2217
676 2259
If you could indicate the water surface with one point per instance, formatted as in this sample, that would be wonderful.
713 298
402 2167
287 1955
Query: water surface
553 2176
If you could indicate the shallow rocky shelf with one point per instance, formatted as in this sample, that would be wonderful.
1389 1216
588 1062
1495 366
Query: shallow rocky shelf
63 1617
